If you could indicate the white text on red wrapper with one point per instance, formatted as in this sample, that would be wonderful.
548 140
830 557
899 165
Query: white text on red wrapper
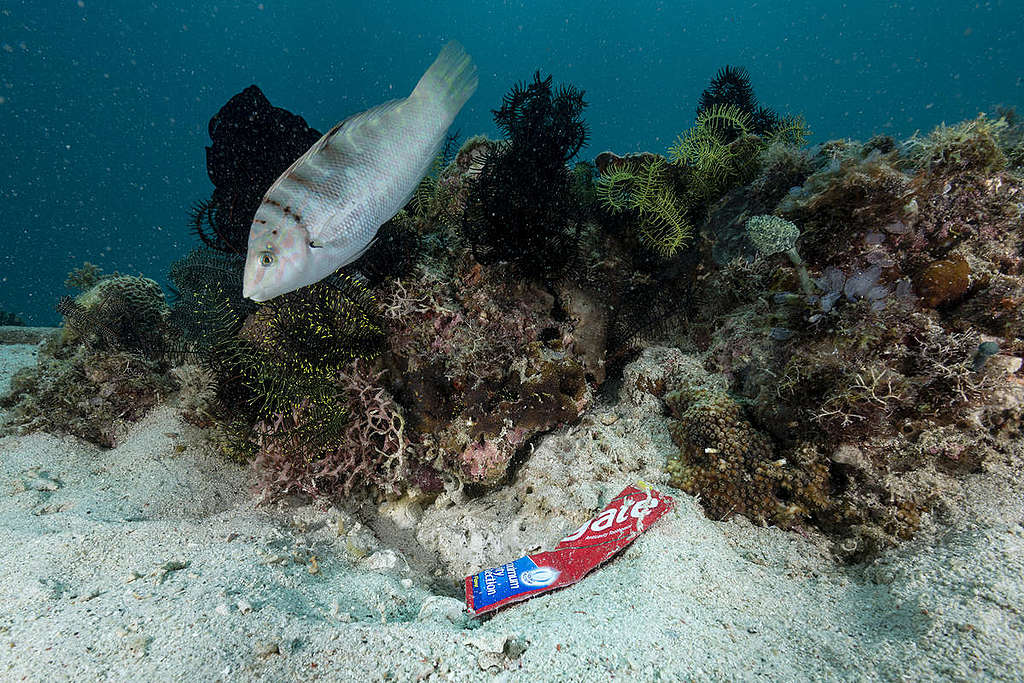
614 516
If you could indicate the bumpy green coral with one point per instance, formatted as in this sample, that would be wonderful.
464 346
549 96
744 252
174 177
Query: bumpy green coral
122 312
733 467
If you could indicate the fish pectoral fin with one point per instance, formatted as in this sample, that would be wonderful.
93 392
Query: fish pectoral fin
342 242
359 254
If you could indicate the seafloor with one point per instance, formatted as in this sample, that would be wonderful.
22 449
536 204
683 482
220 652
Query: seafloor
153 561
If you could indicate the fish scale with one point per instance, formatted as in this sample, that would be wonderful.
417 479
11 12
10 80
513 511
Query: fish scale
324 211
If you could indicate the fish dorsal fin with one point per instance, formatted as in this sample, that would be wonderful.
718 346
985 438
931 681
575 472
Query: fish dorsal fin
349 125
354 123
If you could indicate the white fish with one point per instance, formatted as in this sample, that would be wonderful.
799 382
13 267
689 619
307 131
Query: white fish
324 211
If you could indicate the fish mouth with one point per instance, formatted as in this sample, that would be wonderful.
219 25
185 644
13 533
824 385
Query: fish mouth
250 292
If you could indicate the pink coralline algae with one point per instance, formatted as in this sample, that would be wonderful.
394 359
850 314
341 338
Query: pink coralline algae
371 453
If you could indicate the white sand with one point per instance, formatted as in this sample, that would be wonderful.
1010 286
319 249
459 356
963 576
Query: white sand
86 532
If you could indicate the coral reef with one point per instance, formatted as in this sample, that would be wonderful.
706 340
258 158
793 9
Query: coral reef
852 317
108 366
888 350
481 366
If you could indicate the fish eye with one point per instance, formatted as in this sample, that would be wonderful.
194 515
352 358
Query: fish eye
266 259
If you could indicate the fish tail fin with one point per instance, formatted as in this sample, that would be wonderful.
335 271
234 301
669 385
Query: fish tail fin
450 80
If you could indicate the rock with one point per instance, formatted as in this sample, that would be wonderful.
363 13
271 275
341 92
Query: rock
405 512
138 644
442 608
386 561
266 648
17 334
497 649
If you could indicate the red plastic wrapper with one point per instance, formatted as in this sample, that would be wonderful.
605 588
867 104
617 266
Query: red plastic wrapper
630 514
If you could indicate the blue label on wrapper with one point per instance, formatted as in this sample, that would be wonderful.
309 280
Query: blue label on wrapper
521 576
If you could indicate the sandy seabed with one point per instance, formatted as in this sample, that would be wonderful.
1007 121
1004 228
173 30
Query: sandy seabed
153 561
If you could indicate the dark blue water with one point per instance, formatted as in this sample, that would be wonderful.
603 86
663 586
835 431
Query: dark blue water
105 104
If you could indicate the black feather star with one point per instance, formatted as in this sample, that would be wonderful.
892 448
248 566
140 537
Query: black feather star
253 142
731 86
521 208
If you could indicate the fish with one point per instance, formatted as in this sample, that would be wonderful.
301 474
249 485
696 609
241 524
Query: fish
324 211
